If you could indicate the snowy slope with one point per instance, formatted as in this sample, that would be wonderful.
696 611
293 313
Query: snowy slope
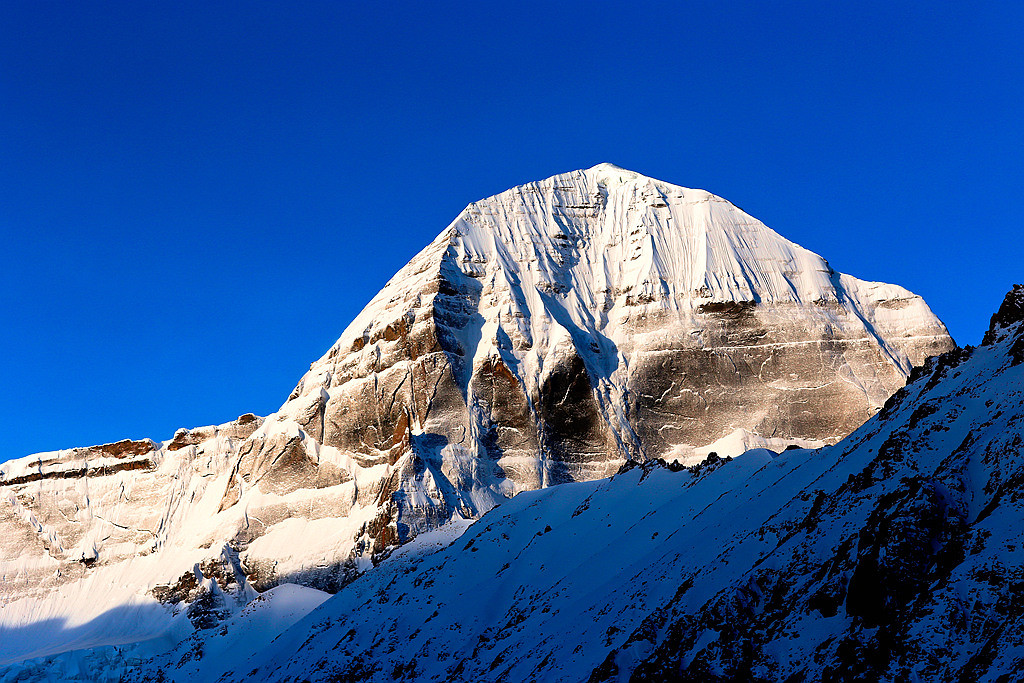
896 554
548 335
184 655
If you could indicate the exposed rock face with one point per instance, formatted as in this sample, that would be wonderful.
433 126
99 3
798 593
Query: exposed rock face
548 335
894 555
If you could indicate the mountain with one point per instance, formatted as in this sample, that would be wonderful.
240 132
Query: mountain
558 329
549 335
894 555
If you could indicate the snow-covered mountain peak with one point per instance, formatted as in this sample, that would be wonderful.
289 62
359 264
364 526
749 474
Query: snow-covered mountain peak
553 330
605 230
606 166
549 334
606 173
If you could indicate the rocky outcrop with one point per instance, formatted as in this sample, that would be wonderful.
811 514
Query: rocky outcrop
1005 320
1010 312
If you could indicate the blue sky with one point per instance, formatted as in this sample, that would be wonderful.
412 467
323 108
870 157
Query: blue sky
196 198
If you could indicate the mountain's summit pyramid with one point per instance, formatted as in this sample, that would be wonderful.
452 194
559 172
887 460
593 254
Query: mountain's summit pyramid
561 327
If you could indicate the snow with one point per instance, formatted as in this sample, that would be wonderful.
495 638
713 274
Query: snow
183 654
740 441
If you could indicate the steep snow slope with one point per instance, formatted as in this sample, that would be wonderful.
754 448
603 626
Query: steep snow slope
187 655
896 554
547 335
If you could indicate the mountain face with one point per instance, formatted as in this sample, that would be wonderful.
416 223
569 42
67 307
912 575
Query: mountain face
894 555
550 334
556 330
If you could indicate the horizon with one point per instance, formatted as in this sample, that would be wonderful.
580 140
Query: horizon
192 195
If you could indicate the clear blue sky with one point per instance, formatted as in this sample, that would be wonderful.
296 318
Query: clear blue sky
196 198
